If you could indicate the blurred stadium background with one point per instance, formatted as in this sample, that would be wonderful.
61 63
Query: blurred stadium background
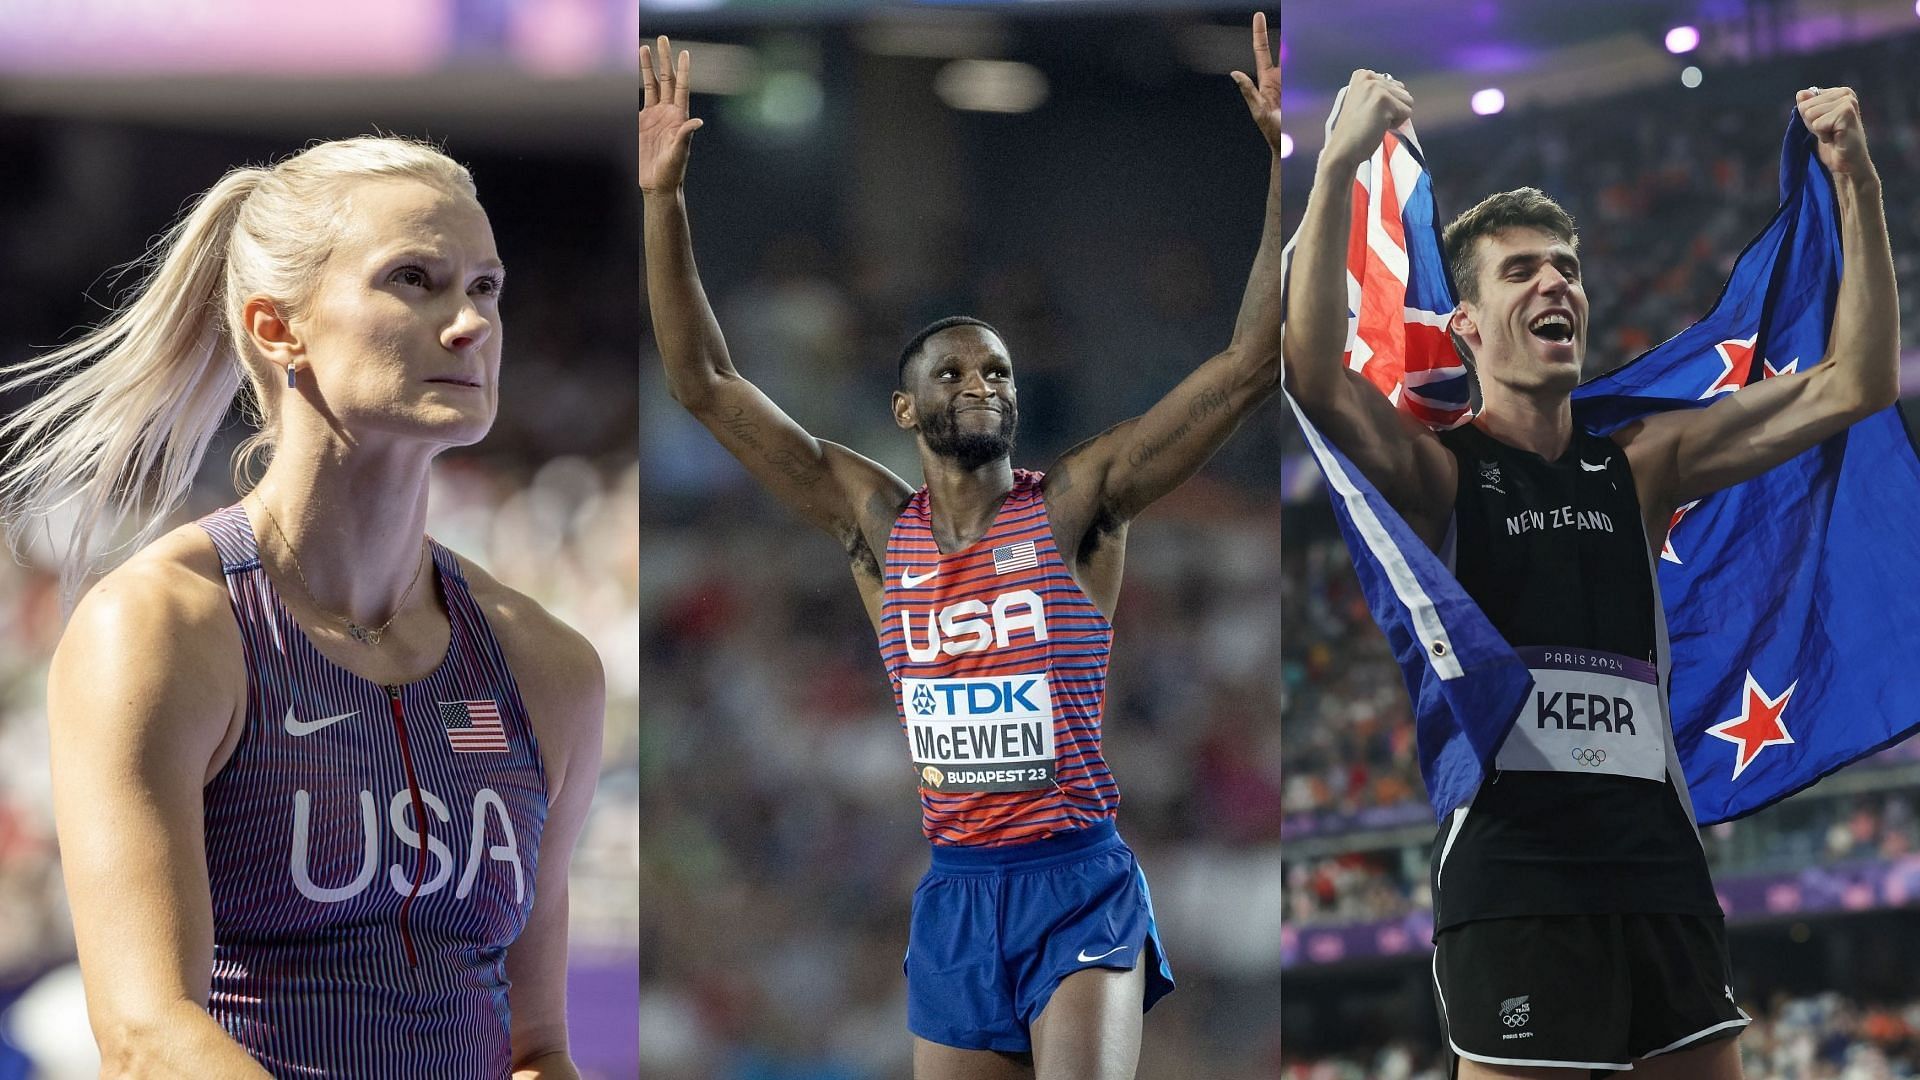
1084 177
112 116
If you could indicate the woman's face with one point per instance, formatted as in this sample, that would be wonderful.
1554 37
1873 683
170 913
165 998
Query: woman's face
401 334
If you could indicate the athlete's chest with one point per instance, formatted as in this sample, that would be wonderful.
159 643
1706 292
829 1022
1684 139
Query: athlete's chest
1554 551
314 822
990 650
1518 501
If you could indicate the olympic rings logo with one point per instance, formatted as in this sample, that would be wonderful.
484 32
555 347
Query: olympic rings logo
1515 1019
1584 756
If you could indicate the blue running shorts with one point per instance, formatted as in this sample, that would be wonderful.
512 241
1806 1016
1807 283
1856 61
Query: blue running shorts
996 929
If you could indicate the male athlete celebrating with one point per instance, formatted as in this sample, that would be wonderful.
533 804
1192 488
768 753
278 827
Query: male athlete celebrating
1575 925
991 589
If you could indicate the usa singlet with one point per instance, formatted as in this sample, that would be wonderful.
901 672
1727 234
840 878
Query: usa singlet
999 664
1584 812
334 956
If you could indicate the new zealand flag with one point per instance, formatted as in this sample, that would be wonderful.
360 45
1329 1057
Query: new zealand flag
1792 601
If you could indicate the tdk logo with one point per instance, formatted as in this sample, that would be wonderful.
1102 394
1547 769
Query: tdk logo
979 697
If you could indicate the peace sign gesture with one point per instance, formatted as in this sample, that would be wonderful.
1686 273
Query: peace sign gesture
666 130
1263 91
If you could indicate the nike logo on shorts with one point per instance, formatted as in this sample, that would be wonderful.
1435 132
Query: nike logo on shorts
1085 959
297 726
908 580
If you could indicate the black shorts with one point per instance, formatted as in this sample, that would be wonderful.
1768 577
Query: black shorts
1583 991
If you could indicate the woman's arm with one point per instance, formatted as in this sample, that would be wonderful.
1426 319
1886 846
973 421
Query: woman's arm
564 688
146 691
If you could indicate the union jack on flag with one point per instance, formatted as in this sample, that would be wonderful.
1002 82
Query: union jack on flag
1398 295
473 727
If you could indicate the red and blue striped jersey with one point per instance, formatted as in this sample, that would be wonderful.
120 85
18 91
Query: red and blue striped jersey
999 669
334 953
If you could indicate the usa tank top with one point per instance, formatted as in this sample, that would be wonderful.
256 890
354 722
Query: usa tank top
998 662
1585 812
349 939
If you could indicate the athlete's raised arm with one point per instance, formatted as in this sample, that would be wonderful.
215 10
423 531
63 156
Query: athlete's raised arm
1112 477
144 697
827 484
1687 453
1398 453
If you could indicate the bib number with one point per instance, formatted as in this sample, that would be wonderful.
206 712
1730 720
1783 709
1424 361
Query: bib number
985 734
1589 712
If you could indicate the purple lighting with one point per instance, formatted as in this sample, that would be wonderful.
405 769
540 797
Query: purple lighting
1489 101
1682 39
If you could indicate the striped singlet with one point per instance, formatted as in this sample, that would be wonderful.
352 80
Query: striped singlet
322 966
999 668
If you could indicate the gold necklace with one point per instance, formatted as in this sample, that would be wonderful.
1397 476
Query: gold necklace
364 635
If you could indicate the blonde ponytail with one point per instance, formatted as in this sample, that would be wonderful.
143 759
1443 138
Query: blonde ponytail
129 408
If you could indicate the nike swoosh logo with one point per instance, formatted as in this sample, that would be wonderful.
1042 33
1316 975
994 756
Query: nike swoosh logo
297 726
1085 959
908 579
1602 467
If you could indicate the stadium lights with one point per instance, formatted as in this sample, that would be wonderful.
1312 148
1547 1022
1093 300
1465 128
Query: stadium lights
721 69
1690 77
1683 39
789 100
1286 145
1002 86
938 35
1489 101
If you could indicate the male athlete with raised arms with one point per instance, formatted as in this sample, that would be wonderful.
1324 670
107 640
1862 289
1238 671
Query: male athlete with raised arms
1575 924
1033 950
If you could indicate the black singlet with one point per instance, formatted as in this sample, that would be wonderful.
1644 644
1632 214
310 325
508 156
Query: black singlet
1555 554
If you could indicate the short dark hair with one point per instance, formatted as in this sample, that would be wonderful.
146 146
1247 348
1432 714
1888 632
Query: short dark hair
1521 208
934 327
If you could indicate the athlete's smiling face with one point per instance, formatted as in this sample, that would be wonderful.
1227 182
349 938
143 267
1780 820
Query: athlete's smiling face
402 333
1527 326
958 393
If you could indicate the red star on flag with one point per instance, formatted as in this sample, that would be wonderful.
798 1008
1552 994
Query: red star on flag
1738 356
1666 548
1768 371
1758 726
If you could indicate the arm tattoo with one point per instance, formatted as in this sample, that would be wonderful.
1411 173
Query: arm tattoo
798 472
884 510
1205 404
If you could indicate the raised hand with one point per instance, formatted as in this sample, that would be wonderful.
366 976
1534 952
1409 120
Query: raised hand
1375 104
1263 90
666 129
1833 115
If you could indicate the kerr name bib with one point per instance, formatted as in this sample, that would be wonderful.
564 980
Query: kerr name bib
1589 712
982 734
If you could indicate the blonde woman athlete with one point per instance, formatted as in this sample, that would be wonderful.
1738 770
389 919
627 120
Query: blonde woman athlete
317 779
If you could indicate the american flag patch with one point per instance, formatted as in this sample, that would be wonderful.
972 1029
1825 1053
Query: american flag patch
1010 557
473 727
